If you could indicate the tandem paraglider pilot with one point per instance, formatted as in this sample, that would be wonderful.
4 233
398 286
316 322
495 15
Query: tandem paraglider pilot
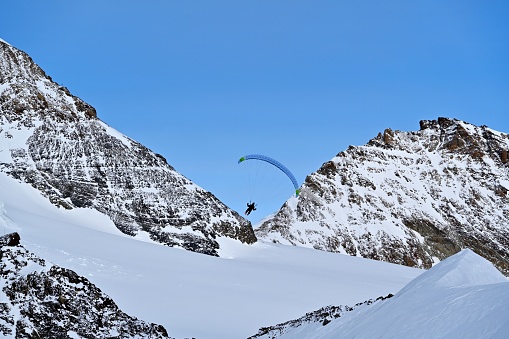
250 208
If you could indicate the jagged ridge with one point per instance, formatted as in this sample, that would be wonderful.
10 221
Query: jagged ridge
322 317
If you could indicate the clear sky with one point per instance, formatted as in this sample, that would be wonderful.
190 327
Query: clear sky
206 82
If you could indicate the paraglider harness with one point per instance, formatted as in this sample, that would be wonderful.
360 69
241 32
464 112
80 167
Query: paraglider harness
250 207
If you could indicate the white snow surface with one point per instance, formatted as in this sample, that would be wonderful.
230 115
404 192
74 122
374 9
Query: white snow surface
464 296
193 295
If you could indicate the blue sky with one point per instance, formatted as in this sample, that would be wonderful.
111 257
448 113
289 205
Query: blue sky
206 82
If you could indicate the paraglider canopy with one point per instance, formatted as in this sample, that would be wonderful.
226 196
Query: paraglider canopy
275 163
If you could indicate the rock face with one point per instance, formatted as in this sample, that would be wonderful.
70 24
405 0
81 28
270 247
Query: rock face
40 300
54 141
411 198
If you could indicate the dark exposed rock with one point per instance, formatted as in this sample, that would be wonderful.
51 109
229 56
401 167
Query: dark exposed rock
504 157
11 239
437 240
388 137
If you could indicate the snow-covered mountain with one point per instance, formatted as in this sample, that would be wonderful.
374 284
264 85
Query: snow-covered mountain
411 198
42 300
54 141
464 296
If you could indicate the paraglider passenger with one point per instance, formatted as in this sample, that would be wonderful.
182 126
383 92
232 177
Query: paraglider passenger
250 207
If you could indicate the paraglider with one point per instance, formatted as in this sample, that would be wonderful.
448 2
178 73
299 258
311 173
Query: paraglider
250 207
275 163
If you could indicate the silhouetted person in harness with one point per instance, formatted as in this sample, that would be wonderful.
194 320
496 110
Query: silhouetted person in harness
250 208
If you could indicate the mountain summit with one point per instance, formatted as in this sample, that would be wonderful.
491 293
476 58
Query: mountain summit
54 141
411 198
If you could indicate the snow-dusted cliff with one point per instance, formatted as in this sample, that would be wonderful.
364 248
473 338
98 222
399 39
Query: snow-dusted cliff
411 198
54 141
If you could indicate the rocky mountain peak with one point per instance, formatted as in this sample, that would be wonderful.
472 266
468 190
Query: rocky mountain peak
454 136
451 135
54 141
17 64
410 198
28 91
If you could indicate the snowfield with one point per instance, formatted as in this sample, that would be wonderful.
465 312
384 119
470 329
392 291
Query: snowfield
193 295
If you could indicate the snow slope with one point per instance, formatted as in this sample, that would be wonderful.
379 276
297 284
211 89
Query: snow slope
193 295
464 296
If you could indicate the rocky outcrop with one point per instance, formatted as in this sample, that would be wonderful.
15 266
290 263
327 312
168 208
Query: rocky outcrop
41 300
54 141
411 198
321 317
